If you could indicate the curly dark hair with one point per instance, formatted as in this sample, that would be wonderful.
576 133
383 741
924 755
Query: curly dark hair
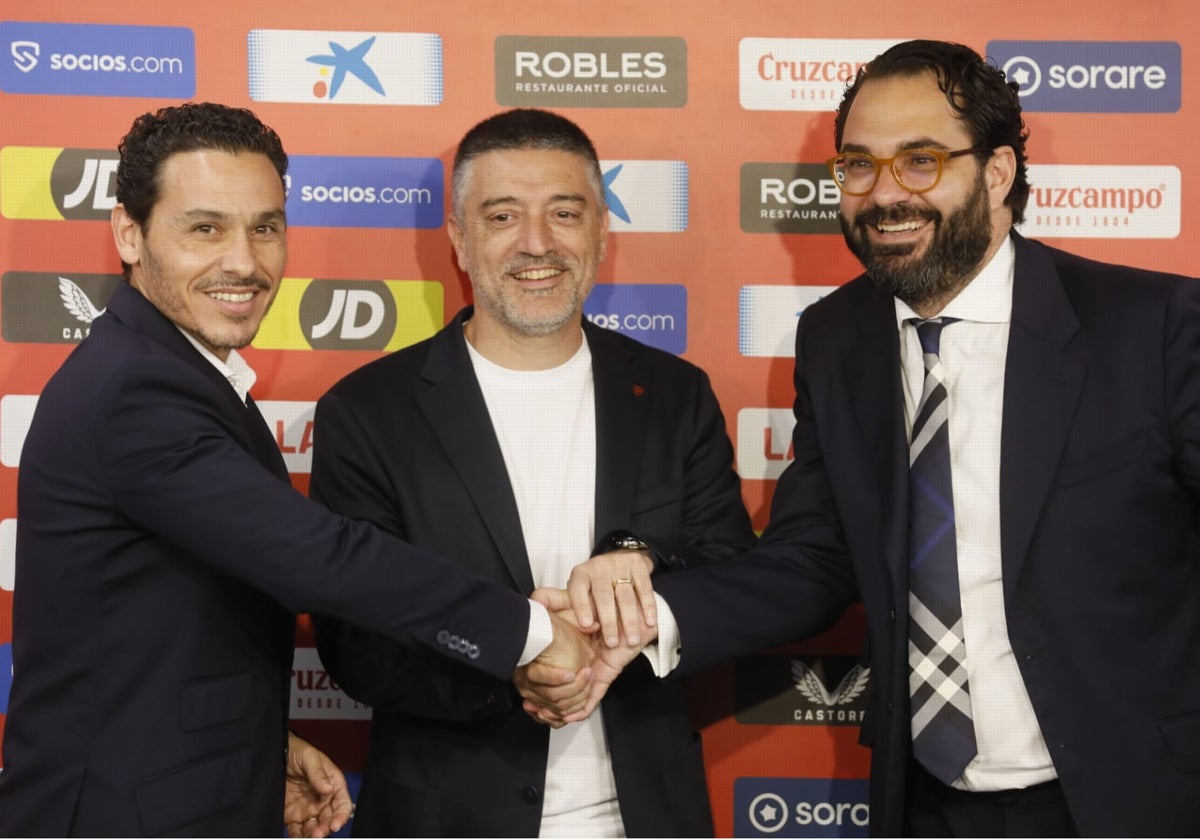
521 128
977 91
154 137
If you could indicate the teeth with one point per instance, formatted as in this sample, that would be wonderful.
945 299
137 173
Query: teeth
896 228
232 297
536 274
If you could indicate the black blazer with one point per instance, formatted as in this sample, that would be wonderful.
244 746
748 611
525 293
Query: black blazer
161 554
407 442
1100 531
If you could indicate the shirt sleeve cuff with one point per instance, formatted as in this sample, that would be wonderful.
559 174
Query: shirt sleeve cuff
664 653
541 634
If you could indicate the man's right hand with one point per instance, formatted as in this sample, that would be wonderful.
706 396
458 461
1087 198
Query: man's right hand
560 678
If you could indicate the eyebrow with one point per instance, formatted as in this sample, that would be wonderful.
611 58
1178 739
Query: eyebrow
919 143
202 214
574 198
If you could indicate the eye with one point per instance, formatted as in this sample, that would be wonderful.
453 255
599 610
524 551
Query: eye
858 163
205 228
921 160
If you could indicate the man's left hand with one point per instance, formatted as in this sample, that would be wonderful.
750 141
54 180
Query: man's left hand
316 798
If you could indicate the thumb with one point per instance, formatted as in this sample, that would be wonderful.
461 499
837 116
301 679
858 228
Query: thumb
552 599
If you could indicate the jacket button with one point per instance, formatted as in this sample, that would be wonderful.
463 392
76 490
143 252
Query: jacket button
531 795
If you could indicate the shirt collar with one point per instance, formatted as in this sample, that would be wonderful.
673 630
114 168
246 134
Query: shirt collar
986 299
235 369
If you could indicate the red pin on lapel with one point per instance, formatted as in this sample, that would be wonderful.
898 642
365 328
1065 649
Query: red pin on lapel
638 390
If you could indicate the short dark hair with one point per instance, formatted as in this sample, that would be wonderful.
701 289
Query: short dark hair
522 128
154 137
977 91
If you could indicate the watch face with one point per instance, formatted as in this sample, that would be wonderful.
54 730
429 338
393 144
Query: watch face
632 544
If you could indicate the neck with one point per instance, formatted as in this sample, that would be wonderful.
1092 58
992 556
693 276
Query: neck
516 351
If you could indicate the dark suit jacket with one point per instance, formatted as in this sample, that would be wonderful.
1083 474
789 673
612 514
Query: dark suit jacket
161 554
407 442
1100 531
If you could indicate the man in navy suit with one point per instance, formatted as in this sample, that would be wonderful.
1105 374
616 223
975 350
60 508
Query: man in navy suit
1035 649
519 440
161 551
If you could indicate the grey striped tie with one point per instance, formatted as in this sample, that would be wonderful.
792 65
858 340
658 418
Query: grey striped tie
942 732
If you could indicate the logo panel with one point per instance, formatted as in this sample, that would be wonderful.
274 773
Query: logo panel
783 807
350 68
8 553
49 308
800 691
291 421
1135 202
654 314
789 198
316 696
366 192
82 59
16 413
56 184
646 196
564 72
800 74
6 675
352 315
767 317
1096 76
764 442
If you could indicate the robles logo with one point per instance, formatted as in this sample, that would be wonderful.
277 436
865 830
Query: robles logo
789 198
1093 76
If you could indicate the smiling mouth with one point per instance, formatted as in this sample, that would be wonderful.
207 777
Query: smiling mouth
233 297
537 273
900 227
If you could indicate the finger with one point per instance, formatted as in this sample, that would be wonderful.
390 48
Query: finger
540 674
579 590
630 609
551 598
644 588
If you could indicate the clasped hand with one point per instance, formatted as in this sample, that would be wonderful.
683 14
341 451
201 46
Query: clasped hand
602 620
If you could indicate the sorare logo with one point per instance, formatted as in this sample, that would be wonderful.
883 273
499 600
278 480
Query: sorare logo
784 807
365 192
654 314
646 196
352 314
1093 76
346 68
38 182
82 59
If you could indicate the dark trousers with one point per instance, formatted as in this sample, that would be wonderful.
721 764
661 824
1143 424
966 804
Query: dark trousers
933 809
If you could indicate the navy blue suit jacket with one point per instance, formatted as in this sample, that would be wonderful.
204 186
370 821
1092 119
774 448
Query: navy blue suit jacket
161 555
1100 531
407 442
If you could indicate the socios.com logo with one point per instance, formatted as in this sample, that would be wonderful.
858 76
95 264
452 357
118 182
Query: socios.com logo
368 192
1093 76
78 59
352 315
355 68
654 314
39 182
782 807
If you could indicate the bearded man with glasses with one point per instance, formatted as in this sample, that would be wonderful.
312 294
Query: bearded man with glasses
997 451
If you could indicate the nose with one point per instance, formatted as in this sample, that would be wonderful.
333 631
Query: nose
537 236
887 189
238 259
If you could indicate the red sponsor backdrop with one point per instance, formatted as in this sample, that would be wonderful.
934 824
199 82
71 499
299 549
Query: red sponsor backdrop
714 257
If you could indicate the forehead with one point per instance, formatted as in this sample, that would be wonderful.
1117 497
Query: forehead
528 174
226 181
893 112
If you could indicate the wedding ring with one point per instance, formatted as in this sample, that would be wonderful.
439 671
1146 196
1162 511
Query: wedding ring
618 581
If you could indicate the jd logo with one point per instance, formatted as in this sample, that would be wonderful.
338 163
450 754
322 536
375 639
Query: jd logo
83 185
348 315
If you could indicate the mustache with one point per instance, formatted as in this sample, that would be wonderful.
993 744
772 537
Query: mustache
550 260
895 214
254 283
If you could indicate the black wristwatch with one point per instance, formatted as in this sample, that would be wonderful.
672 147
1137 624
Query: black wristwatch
621 541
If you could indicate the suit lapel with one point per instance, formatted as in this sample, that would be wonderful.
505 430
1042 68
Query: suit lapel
1042 382
459 418
622 400
872 372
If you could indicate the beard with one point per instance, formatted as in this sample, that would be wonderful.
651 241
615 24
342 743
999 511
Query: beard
952 259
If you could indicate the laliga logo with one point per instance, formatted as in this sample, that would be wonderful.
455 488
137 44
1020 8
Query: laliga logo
1025 72
768 812
25 54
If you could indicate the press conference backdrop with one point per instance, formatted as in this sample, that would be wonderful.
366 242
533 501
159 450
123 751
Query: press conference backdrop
711 120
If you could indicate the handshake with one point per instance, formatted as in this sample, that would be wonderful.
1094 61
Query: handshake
602 621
